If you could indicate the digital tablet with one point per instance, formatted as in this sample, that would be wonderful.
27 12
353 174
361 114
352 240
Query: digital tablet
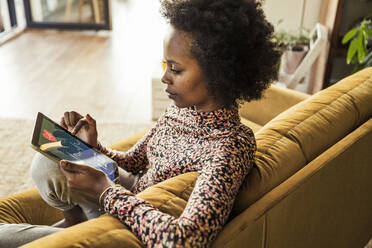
55 142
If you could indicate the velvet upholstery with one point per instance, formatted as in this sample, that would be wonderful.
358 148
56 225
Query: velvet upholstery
300 134
28 207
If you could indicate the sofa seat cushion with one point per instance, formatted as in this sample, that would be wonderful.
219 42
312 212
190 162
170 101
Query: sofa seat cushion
274 101
301 133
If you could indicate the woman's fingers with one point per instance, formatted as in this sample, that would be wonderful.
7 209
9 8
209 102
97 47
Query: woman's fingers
68 166
74 122
88 120
74 117
77 168
71 118
63 123
75 172
69 171
91 121
67 118
84 178
79 125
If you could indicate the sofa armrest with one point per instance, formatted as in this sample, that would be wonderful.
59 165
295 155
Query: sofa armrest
28 207
169 196
274 101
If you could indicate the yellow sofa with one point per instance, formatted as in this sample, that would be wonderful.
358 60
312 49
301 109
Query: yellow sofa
311 185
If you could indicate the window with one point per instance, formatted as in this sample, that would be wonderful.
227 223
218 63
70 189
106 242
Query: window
68 14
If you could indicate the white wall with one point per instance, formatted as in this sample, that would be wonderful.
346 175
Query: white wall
290 11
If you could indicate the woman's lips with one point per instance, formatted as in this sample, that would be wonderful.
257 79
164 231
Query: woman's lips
171 95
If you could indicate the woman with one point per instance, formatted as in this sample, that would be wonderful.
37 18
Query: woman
217 53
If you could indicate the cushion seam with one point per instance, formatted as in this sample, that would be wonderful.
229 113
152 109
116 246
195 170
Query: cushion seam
326 106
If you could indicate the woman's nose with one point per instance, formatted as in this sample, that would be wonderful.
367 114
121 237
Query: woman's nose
165 79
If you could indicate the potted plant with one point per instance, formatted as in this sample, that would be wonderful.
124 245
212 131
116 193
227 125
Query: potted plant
359 53
294 45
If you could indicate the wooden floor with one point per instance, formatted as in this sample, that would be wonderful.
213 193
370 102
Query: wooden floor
107 75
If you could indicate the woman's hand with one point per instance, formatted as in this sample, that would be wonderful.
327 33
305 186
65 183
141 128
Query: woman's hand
83 127
86 179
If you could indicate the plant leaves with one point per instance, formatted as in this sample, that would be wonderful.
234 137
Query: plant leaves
369 33
349 35
361 54
360 50
354 61
365 42
352 50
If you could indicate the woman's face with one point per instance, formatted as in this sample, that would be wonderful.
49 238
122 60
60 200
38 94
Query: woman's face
185 81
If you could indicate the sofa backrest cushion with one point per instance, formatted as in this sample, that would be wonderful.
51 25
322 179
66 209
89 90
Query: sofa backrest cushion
254 126
301 133
274 101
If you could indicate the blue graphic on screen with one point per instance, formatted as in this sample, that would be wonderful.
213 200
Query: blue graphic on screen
63 145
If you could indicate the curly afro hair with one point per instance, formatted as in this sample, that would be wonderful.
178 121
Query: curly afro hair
232 42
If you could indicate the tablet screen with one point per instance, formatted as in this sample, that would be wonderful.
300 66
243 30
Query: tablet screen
52 140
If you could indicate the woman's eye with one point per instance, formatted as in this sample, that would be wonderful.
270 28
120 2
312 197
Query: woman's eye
174 70
171 67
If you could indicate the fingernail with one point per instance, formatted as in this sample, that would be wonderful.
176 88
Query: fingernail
63 162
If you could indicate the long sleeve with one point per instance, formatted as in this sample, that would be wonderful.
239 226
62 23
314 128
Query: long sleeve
207 209
135 159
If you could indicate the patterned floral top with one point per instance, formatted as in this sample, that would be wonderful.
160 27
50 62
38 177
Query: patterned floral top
215 144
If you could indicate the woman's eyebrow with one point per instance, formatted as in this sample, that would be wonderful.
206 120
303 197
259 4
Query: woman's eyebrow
171 61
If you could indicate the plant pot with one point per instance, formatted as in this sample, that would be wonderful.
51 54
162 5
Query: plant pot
291 59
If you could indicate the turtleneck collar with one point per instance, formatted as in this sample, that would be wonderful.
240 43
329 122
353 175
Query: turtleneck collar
222 117
218 116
